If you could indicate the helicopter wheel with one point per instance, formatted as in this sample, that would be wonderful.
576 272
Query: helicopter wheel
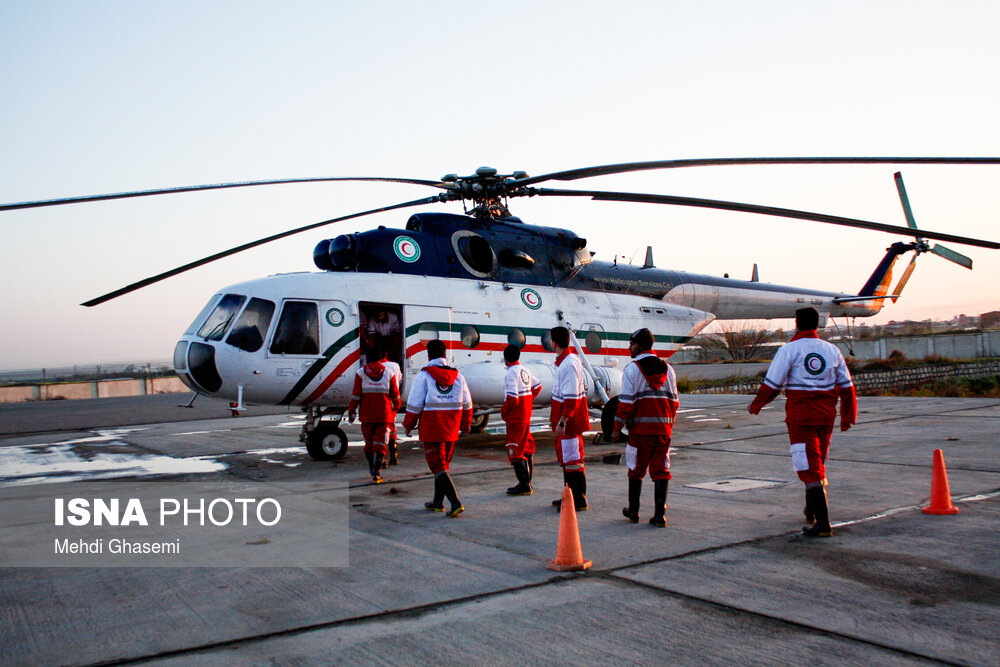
326 442
479 423
608 419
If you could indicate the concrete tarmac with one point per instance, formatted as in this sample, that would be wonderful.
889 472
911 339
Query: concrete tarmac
729 581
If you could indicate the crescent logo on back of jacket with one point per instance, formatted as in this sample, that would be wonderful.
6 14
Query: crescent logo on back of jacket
814 364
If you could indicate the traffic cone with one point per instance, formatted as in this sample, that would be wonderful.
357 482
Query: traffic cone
940 493
569 555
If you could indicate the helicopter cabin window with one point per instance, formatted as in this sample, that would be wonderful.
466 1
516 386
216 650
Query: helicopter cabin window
517 337
428 332
475 253
220 319
202 315
594 342
250 329
470 336
298 329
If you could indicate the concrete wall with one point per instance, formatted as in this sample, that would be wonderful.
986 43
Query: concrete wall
93 389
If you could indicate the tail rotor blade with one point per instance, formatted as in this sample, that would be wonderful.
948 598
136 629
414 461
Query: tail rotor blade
904 200
905 277
952 256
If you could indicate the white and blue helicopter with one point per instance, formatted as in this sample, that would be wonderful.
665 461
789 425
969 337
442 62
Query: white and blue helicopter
479 282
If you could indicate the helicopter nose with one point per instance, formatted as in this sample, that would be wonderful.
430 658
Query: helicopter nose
201 367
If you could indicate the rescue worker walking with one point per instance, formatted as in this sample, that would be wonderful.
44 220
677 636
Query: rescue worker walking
376 391
815 376
647 407
520 389
440 401
394 368
569 416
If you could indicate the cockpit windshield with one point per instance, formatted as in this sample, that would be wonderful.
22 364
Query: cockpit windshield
202 315
220 319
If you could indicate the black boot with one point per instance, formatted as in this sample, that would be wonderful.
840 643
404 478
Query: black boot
578 485
816 497
659 503
634 493
452 495
437 505
530 458
370 457
558 503
523 487
378 462
808 512
393 450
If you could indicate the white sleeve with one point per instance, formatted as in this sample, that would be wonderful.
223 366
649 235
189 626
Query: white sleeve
510 383
418 394
777 372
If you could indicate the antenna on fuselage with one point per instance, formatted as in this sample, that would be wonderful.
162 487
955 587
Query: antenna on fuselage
648 264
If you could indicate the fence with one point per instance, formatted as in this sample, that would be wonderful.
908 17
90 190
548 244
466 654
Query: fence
876 380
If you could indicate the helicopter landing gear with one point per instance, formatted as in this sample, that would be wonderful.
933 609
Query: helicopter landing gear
325 440
479 422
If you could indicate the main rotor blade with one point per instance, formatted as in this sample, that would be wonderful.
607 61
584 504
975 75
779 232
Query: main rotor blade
247 246
604 170
763 210
215 186
904 200
952 256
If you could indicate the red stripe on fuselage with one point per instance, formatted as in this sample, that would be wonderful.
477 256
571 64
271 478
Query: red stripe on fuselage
348 361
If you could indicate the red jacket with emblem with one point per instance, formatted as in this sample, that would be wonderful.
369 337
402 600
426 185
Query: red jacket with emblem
440 401
376 390
815 376
569 395
647 404
520 389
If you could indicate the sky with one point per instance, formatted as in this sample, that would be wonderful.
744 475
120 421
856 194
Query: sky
105 97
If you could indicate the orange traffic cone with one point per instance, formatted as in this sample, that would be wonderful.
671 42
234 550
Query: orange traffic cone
569 555
940 493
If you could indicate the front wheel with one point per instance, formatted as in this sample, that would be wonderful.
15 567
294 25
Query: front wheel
479 423
326 442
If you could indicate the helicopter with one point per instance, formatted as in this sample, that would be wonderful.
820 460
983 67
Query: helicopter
480 281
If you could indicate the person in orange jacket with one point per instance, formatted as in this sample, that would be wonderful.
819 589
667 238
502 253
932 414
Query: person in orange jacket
520 389
440 402
815 376
376 393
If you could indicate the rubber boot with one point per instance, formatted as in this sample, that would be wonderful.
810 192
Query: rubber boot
531 466
659 503
370 457
558 502
452 495
523 487
634 494
816 496
437 505
578 485
378 462
393 450
808 512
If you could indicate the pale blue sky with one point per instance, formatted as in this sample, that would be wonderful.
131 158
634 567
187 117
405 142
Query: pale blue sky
113 96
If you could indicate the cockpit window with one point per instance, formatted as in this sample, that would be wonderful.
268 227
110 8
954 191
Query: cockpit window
250 329
298 329
202 315
220 319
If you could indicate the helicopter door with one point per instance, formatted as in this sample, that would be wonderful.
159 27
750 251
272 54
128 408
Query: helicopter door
382 324
423 324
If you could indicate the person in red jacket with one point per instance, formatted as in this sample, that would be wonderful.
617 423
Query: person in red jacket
647 406
569 416
376 392
815 376
520 390
440 401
